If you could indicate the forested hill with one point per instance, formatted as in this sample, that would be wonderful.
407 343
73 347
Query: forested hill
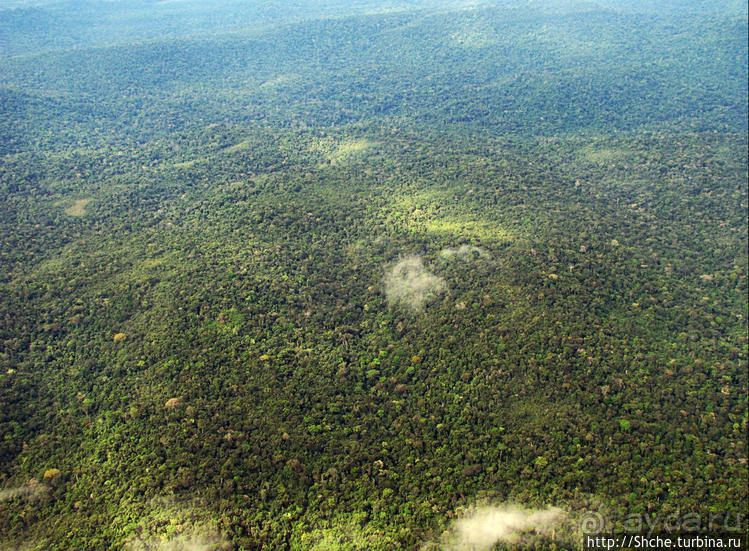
28 26
357 277
504 70
53 25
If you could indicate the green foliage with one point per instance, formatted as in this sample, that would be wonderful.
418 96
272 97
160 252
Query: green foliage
233 219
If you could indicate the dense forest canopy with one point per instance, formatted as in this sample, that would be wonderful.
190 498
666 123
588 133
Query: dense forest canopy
370 275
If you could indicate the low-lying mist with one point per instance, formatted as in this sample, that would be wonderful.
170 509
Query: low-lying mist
410 285
465 253
181 542
484 527
30 491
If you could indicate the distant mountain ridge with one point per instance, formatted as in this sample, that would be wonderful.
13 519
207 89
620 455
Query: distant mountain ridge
494 69
28 26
